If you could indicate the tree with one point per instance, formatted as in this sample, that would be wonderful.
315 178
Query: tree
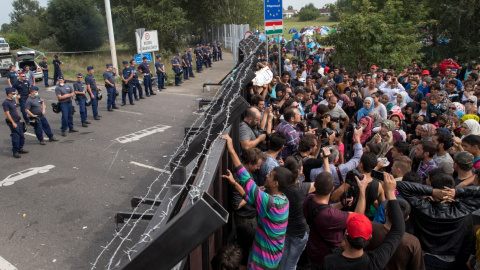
24 10
307 15
6 28
375 36
290 7
17 40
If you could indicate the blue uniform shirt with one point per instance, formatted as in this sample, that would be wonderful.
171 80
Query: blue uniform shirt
34 105
78 86
126 73
134 71
43 65
175 61
90 80
9 106
110 76
56 64
63 90
144 68
22 88
158 65
189 55
12 76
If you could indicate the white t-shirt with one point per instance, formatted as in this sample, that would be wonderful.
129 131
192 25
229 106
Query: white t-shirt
381 110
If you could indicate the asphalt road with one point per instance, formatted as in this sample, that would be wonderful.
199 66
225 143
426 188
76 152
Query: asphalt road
60 208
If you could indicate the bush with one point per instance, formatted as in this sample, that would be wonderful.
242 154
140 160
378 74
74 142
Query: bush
50 44
16 41
307 15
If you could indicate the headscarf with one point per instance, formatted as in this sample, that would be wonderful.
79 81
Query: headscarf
389 124
474 99
367 132
385 146
470 116
353 91
446 131
430 129
474 127
346 101
460 107
358 103
411 105
376 117
389 96
364 111
404 99
460 114
397 137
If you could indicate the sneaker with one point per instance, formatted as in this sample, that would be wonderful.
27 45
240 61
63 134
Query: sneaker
16 155
72 130
64 133
22 151
52 139
42 142
96 117
88 123
84 125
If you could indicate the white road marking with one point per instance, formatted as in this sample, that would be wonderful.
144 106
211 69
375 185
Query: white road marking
29 134
12 178
129 112
142 133
149 167
5 265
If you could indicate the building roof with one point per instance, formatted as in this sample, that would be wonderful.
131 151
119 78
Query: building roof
289 11
324 10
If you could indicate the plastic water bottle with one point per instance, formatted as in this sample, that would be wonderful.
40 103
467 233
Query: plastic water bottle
208 86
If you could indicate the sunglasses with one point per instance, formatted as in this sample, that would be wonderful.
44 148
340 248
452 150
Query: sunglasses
22 76
441 95
79 77
470 101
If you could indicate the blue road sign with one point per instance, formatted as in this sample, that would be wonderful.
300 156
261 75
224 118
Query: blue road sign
138 58
273 10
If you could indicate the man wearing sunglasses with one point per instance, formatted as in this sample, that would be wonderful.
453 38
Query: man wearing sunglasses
23 88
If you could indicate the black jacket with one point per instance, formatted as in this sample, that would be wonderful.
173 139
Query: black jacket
442 228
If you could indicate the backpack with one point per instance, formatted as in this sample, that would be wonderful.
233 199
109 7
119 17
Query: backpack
312 213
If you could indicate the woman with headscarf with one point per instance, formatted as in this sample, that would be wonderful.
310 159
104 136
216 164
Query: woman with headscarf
377 120
355 105
367 107
409 111
385 137
456 118
386 101
470 127
366 123
470 116
459 106
346 101
401 99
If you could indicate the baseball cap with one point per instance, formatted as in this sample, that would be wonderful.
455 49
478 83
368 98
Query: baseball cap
125 62
385 70
302 80
61 77
464 158
33 88
109 65
358 225
10 89
21 73
373 66
44 57
425 72
79 75
89 68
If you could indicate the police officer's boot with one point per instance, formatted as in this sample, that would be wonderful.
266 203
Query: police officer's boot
16 155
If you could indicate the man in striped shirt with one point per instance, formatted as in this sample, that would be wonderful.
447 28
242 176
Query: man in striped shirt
272 208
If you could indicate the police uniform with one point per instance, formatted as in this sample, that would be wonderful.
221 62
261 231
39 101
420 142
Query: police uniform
135 82
66 106
185 65
44 66
90 81
147 77
127 87
219 50
160 78
36 106
81 100
23 89
10 109
198 58
214 46
111 91
56 69
176 68
190 61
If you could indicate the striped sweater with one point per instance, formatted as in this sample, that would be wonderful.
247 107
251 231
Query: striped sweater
272 223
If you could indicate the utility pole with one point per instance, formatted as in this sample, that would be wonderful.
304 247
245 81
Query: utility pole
111 37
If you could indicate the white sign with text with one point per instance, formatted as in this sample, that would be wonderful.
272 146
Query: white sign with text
148 42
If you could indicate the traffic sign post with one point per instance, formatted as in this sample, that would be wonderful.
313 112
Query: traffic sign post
273 15
147 41
138 58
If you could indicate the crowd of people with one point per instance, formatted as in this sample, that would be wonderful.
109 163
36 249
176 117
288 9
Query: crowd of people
371 168
85 92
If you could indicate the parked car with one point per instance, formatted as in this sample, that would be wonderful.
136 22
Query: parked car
4 48
24 58
5 62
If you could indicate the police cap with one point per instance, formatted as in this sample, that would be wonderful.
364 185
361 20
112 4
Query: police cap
125 62
33 88
10 90
89 68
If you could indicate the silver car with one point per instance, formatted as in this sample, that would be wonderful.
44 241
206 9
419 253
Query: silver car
24 58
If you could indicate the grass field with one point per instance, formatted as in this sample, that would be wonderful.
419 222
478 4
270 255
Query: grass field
294 23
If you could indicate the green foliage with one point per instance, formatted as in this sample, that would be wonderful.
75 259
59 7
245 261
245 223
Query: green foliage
376 35
78 25
290 7
17 40
307 15
6 28
50 44
24 10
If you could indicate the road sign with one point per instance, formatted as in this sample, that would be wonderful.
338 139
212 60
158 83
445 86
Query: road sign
138 58
273 15
147 41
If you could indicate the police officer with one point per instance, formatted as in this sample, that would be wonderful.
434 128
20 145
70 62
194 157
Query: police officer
109 78
81 99
208 55
56 69
44 66
160 68
219 50
127 86
23 88
185 65
135 82
93 90
14 123
65 93
198 58
147 77
176 68
35 108
190 61
12 76
204 55
214 46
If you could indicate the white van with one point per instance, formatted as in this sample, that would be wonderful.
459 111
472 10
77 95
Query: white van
4 48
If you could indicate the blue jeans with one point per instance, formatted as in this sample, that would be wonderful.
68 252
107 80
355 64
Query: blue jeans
292 250
94 103
124 95
45 77
23 101
161 80
178 79
83 109
43 126
56 73
67 115
220 55
190 70
112 95
137 85
18 139
185 73
199 65
147 82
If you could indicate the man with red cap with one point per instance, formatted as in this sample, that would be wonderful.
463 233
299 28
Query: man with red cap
351 255
44 66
